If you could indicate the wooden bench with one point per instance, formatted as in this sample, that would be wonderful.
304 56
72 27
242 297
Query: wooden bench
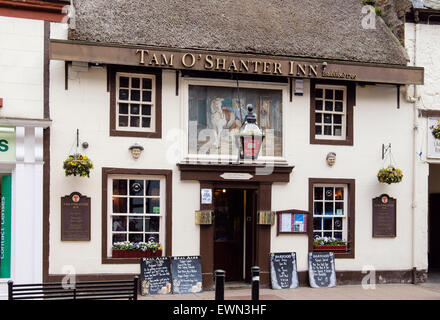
121 289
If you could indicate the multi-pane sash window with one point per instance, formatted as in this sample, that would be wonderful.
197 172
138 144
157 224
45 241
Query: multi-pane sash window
330 112
135 96
330 211
136 208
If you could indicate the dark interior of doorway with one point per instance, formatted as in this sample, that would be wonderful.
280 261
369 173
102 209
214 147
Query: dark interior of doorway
234 232
434 242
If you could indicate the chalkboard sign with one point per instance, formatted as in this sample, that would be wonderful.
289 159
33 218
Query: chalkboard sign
155 276
384 216
186 274
322 269
283 271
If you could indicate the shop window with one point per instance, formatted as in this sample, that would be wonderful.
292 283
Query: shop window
135 103
216 113
332 208
137 208
331 114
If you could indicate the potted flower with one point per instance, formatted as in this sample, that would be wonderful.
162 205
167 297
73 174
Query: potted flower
329 244
390 175
77 165
436 130
129 249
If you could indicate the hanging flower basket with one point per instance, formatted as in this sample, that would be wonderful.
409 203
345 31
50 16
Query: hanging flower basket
129 249
436 130
77 165
390 175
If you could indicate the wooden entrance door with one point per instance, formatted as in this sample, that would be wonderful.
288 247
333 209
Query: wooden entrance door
434 226
228 232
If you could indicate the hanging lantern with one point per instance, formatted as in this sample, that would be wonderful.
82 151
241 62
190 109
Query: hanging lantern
250 137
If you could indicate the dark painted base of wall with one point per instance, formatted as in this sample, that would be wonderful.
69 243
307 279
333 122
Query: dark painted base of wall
342 278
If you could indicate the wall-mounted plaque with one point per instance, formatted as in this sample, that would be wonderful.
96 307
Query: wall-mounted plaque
322 273
283 271
75 217
203 217
156 276
186 273
384 216
292 221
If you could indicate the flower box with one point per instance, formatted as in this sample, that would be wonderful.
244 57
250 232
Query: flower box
120 253
331 248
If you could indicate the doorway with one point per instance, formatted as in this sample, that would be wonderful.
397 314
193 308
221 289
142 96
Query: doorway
234 232
434 223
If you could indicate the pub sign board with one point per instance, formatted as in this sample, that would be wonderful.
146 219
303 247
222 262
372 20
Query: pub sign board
322 272
156 276
75 217
186 272
283 270
384 216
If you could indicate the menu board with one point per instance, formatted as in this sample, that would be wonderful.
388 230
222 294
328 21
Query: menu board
155 276
75 217
322 269
186 274
283 271
384 216
292 221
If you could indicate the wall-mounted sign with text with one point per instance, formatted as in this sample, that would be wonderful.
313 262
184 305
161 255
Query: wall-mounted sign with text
433 142
7 144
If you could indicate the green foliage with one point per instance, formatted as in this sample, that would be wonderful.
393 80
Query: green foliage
77 165
436 130
378 11
324 241
144 246
390 175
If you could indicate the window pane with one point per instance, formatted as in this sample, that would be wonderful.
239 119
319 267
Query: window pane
119 187
134 121
318 130
152 205
339 193
337 119
123 121
338 235
134 109
135 237
328 234
146 122
146 110
152 187
146 83
328 223
123 94
318 208
329 93
329 208
319 191
317 235
339 95
318 118
318 104
119 237
337 131
329 105
317 223
119 205
123 108
136 205
119 223
339 106
135 82
318 93
339 208
152 237
146 96
329 193
327 118
136 187
151 224
337 225
123 82
135 95
136 224
328 130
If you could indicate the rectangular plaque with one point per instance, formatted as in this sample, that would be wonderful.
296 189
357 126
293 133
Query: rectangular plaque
203 217
75 217
384 216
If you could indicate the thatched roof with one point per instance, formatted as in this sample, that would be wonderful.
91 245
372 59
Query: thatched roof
329 29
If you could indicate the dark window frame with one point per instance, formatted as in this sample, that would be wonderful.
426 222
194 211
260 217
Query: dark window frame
351 189
168 174
112 74
350 103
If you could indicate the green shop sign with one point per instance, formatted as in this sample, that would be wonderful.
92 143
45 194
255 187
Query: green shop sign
7 144
5 228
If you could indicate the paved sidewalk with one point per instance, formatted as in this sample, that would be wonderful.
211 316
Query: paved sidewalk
427 291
